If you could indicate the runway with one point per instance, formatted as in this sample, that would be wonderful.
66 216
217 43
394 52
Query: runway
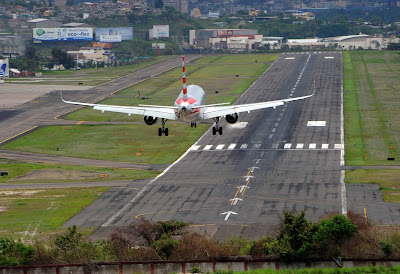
271 161
239 184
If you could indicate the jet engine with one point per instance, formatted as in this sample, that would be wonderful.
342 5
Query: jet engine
232 118
150 120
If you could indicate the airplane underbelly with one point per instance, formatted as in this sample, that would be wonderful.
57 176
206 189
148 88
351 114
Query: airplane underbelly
191 117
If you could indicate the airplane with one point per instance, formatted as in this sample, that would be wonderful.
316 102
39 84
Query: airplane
189 107
3 69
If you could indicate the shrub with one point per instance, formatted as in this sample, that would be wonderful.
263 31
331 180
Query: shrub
294 241
331 233
14 253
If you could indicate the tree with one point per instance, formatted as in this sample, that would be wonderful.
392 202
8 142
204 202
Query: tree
14 253
30 53
294 241
70 3
158 4
331 233
61 58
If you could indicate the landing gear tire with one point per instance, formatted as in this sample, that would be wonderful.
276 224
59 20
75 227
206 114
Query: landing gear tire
217 128
163 129
193 124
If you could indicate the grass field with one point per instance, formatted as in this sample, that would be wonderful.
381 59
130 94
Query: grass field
47 173
372 108
126 143
92 76
35 214
372 124
215 73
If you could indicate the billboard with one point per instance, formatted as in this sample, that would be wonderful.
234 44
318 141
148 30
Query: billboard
158 45
4 68
102 45
124 33
110 38
224 33
62 34
159 31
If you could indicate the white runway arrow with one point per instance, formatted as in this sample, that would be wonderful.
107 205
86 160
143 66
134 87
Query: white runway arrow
242 188
253 168
235 200
228 213
248 177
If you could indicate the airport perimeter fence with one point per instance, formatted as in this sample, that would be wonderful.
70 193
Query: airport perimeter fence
156 267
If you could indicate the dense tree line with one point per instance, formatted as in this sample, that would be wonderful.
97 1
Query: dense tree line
32 60
297 239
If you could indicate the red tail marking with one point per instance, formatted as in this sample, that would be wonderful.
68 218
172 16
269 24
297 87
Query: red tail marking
184 79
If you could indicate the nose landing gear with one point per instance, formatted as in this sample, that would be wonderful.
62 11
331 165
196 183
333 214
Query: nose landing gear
193 124
163 129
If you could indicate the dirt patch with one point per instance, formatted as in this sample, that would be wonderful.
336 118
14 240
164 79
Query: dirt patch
2 209
19 193
57 174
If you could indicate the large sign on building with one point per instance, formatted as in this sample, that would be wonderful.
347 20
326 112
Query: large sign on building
159 31
62 34
110 34
110 38
4 69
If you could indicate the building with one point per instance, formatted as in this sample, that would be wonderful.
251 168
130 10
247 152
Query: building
349 42
226 39
82 57
195 13
304 15
43 23
180 5
236 43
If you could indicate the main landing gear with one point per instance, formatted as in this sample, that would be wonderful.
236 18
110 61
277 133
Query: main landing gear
217 128
163 129
193 124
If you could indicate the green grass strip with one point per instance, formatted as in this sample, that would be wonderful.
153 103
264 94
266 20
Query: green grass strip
356 153
382 121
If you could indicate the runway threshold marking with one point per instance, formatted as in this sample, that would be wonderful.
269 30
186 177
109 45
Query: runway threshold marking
316 123
18 134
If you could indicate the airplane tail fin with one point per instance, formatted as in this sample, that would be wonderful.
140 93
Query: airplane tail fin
184 89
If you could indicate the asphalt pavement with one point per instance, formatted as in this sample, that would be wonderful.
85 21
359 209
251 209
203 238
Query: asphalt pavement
239 184
274 160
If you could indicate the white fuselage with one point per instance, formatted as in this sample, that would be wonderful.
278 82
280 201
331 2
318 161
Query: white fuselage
187 110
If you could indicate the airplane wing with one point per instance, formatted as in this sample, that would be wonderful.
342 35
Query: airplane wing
156 111
212 112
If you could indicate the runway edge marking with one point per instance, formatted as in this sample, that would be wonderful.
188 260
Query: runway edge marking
342 161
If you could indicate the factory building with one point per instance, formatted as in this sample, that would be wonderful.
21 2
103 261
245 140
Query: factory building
227 39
